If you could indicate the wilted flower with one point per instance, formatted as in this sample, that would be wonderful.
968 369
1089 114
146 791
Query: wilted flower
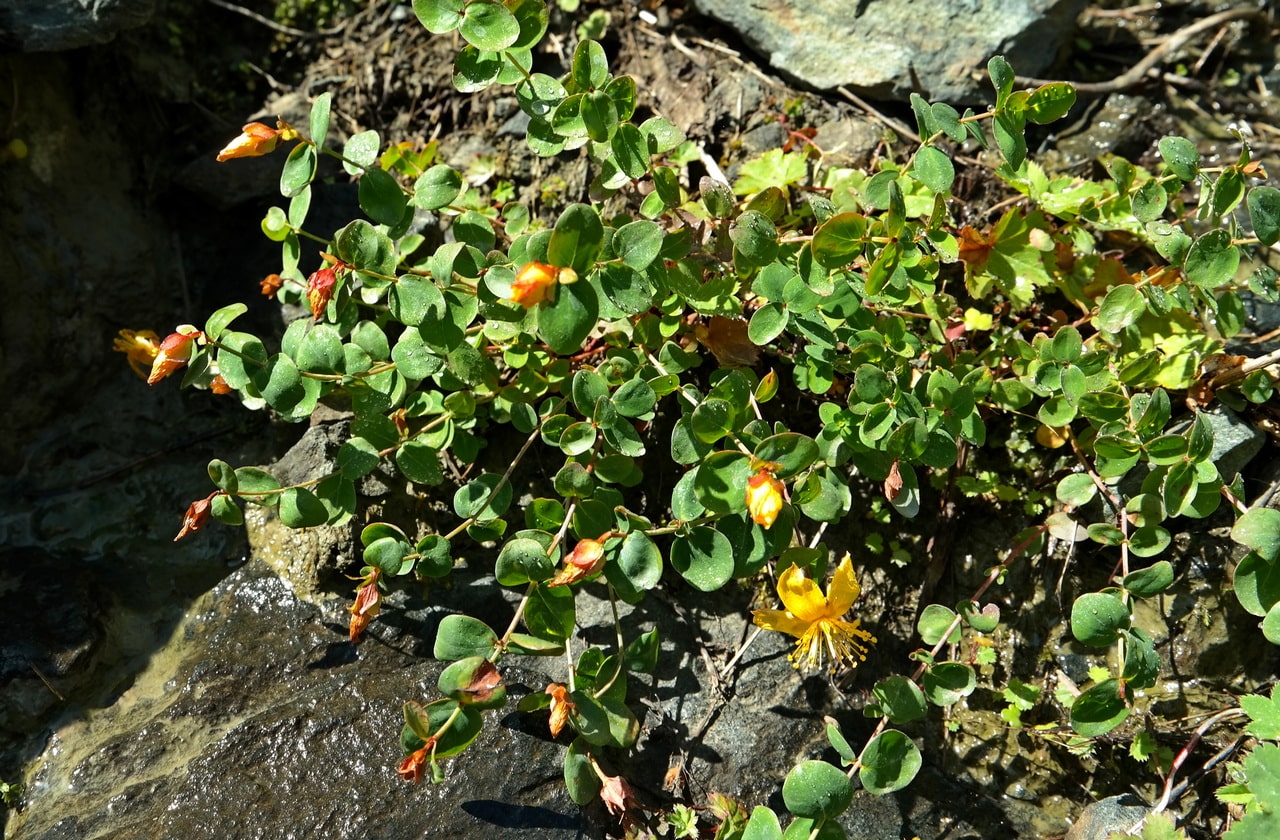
816 619
535 283
617 796
414 764
367 604
257 139
585 560
270 285
764 498
320 288
561 706
141 348
175 352
197 515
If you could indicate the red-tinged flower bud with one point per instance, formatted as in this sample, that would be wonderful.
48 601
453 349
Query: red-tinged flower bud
256 139
764 498
535 283
197 515
270 285
414 765
585 560
175 352
367 605
401 420
561 706
219 386
320 288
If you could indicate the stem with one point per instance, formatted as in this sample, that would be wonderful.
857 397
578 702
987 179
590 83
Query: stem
617 626
506 476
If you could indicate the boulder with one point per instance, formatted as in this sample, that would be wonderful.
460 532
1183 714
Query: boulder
66 24
890 48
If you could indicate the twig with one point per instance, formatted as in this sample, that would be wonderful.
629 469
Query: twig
1186 751
278 27
900 127
1135 74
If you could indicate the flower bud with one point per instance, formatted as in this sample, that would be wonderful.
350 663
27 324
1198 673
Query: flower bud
561 706
270 285
367 605
411 769
175 352
320 288
535 283
256 139
585 560
197 515
764 498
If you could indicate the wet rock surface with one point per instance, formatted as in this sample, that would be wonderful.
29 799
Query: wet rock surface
66 24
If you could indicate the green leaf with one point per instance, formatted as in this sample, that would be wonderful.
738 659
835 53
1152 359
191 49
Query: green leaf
889 763
1050 102
435 560
218 321
599 115
1181 157
1146 583
477 498
257 486
1264 214
839 240
550 613
1148 201
489 26
899 699
934 622
381 197
1002 78
1098 710
439 16
630 151
704 557
1098 618
436 187
984 620
755 238
299 170
763 825
357 457
460 636
580 777
639 562
419 463
1212 260
934 169
789 452
522 560
1259 530
1257 583
767 323
817 789
577 239
299 508
712 419
458 682
1076 489
387 554
1170 242
361 152
223 476
225 510
566 322
948 683
1122 306
636 398
638 243
320 350
1264 714
475 70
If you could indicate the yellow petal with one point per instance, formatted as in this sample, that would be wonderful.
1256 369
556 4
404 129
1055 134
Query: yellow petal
801 596
844 589
780 621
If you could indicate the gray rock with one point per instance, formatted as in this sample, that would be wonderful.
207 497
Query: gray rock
1115 813
889 48
48 25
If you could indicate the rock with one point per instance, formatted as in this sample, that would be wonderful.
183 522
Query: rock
66 24
1100 819
889 48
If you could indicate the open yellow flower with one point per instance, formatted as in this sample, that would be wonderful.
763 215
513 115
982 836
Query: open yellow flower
816 619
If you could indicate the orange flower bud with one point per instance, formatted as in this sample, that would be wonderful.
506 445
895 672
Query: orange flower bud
414 764
367 605
219 386
271 284
141 348
320 288
175 352
197 515
764 498
618 796
561 706
256 139
534 284
585 560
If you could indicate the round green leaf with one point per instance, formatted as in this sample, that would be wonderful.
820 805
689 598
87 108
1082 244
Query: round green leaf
1257 581
1098 710
381 197
436 187
460 636
638 243
413 358
1076 489
550 612
721 482
755 237
983 620
1259 530
1271 625
712 419
477 498
704 557
580 777
299 508
439 16
434 559
948 683
471 682
1098 618
1148 201
889 763
522 560
225 510
1264 213
839 240
1181 157
258 486
1212 260
636 398
934 622
639 561
1121 307
489 26
899 699
817 789
387 554
299 170
790 452
1050 102
576 239
419 463
934 169
767 323
566 322
475 69
1149 541
223 476
630 151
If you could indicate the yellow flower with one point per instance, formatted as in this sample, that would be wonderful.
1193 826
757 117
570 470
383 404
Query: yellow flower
816 619
140 347
257 139
764 498
536 283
